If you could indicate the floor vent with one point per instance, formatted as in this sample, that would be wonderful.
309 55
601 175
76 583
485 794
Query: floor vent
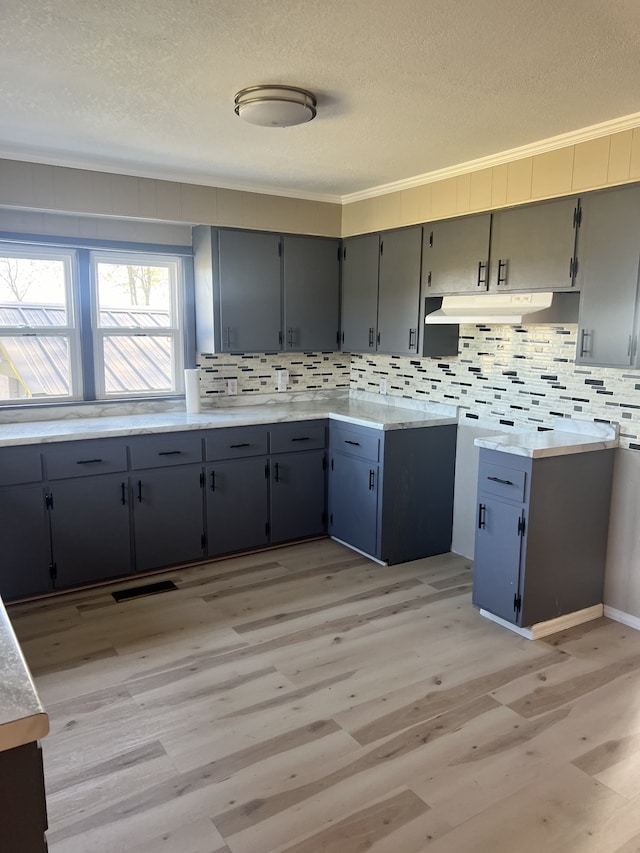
147 589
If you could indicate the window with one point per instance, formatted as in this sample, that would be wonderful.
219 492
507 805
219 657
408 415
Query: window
85 325
136 325
39 342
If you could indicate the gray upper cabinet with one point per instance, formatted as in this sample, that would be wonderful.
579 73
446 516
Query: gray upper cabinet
311 294
399 291
455 255
360 293
532 247
608 260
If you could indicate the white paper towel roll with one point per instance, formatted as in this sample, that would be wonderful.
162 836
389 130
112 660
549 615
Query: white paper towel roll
192 390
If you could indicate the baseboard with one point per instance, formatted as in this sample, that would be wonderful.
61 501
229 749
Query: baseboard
358 551
552 626
621 616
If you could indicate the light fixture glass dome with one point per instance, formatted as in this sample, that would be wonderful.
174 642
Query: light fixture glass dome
275 106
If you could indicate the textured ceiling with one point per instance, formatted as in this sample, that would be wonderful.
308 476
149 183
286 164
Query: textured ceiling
404 88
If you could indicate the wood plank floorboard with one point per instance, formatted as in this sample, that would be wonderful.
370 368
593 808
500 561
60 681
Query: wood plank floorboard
307 700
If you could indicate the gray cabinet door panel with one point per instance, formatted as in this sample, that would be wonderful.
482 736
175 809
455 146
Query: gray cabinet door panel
608 254
90 529
534 246
20 465
168 520
353 498
25 557
249 275
497 558
399 291
237 510
360 293
297 495
311 294
455 255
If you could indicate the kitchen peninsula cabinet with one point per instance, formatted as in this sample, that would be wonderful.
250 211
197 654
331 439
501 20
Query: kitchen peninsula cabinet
25 564
541 534
455 255
391 491
608 264
265 292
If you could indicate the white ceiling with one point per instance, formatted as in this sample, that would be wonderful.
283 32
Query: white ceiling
404 87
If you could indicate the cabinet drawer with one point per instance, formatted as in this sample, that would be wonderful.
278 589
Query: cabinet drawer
501 481
20 465
300 435
363 444
85 458
165 449
236 442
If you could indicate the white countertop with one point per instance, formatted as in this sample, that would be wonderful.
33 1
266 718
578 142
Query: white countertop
361 413
567 436
22 717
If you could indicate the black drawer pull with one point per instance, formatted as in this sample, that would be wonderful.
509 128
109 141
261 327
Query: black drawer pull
277 473
355 443
169 452
481 516
124 494
87 461
213 481
139 491
498 480
302 438
244 444
372 480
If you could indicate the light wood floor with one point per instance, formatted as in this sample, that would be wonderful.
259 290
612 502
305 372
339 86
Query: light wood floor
306 699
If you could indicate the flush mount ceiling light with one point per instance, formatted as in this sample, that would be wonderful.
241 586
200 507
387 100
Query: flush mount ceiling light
275 106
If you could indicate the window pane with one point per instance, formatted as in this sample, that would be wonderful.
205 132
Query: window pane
134 295
34 366
137 364
33 292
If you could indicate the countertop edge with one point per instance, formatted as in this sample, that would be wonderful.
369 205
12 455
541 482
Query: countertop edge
24 730
585 446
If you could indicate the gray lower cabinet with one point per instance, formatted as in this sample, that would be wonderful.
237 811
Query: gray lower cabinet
236 502
391 491
608 264
25 561
23 816
541 534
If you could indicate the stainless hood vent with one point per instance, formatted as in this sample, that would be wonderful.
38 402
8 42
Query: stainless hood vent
516 309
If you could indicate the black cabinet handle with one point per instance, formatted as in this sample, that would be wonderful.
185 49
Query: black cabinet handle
290 337
354 443
412 337
213 481
169 452
498 480
481 516
124 494
429 279
87 461
482 274
372 479
277 473
227 337
139 491
584 334
302 438
502 273
372 332
243 444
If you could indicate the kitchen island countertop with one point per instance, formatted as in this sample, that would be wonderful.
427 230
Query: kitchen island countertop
567 436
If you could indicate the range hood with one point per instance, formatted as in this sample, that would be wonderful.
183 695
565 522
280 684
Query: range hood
512 308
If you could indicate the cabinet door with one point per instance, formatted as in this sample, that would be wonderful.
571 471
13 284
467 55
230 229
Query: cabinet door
90 529
532 247
297 492
399 291
455 255
496 570
237 511
311 294
168 516
25 555
608 253
249 280
360 293
353 502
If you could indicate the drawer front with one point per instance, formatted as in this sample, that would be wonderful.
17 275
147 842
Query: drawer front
165 449
85 458
501 481
236 442
20 465
300 435
363 444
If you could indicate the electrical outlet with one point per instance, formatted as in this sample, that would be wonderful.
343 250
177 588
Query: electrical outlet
283 380
232 387
383 386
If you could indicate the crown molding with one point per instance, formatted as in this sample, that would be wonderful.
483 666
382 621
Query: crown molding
164 175
552 143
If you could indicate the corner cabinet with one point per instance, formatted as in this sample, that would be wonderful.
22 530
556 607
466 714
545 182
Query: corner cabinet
265 292
541 534
391 491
